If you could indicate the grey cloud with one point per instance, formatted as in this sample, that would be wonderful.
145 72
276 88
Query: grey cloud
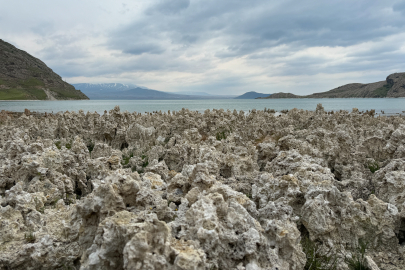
141 48
168 7
43 28
252 25
399 7
196 36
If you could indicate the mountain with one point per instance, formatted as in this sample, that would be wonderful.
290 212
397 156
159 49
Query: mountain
251 95
24 77
101 90
124 91
392 87
280 95
131 91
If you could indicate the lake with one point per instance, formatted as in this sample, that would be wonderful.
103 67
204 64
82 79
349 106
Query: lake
388 105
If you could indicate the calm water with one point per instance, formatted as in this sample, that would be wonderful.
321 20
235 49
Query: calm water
388 105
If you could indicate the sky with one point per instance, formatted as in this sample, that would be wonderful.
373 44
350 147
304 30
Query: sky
226 47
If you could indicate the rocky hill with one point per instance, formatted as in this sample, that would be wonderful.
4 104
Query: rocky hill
24 77
281 95
251 95
392 87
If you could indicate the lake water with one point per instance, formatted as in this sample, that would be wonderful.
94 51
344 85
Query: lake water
388 105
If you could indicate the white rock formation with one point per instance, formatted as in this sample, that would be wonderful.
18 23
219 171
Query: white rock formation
189 190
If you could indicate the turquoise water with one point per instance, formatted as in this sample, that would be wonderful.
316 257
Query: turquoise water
388 105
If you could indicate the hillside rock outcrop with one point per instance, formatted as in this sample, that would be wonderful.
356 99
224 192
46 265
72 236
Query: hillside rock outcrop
23 76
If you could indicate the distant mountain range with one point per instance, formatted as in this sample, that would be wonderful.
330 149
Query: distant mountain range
251 95
131 91
392 87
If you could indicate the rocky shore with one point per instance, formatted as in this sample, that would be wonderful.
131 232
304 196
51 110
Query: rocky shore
213 190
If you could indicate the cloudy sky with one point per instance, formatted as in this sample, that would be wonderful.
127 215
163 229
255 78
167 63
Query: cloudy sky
215 46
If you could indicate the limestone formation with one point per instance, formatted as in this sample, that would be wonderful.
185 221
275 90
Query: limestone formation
189 190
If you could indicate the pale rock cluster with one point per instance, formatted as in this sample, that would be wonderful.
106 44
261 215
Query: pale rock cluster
189 190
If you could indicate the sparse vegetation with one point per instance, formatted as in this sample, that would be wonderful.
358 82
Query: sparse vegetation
58 144
373 167
317 257
69 145
125 159
382 91
30 237
358 259
90 146
221 135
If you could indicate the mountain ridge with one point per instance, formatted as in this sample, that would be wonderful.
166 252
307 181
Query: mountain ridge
251 95
392 87
105 91
25 77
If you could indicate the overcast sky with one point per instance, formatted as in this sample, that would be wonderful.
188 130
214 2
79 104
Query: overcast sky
215 46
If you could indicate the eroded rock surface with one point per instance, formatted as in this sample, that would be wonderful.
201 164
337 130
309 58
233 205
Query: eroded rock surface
189 190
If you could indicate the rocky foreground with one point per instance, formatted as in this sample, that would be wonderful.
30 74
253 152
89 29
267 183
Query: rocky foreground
217 190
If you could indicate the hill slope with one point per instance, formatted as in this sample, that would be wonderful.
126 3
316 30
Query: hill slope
24 77
392 87
251 95
281 95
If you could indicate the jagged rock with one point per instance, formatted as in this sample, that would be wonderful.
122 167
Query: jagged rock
189 190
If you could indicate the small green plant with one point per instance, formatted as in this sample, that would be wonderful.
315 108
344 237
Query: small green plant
39 209
90 146
58 145
145 161
373 167
317 259
30 237
125 159
53 203
358 259
220 135
68 145
68 200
